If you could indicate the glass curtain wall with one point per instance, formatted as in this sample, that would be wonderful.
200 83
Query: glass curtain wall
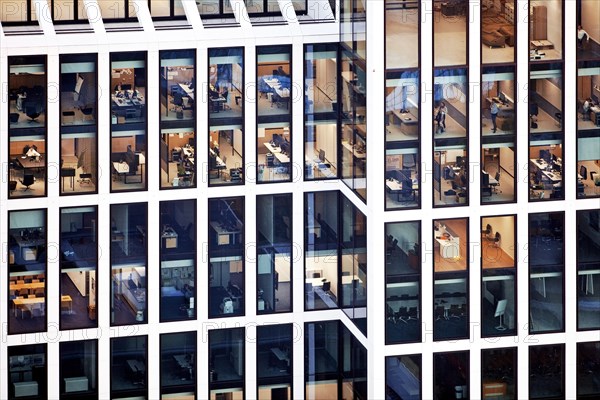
128 367
27 371
588 370
274 101
177 79
79 370
588 269
499 373
403 376
128 121
588 123
320 111
27 125
178 365
274 361
451 375
78 124
226 354
547 372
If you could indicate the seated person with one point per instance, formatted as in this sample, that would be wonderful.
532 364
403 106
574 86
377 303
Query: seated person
587 105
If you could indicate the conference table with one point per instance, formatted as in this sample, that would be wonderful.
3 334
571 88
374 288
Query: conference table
27 303
66 302
395 186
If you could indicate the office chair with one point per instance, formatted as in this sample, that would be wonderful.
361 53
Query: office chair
495 186
87 112
326 287
439 313
496 239
32 112
12 186
413 314
402 315
27 181
85 178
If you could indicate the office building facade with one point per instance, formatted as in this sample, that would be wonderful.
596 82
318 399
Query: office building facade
189 211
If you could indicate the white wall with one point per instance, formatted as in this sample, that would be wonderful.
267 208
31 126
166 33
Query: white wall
549 91
78 279
554 14
590 18
506 227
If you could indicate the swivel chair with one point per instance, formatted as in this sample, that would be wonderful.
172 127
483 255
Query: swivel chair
27 181
32 112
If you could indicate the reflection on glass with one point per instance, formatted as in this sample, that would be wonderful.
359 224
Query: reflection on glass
497 101
226 354
499 373
226 257
128 367
27 371
274 252
545 170
588 370
401 34
451 375
128 256
178 365
498 251
274 355
546 272
177 260
450 103
588 274
78 372
545 98
78 267
27 260
547 372
450 26
27 100
403 376
403 281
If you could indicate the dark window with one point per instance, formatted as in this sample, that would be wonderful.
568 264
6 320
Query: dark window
178 364
128 367
451 375
226 356
499 373
547 372
274 357
403 376
27 371
588 274
588 370
79 370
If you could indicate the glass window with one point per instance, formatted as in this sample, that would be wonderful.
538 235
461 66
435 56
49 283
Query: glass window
546 98
450 99
546 272
209 8
322 357
402 34
498 177
178 365
547 372
546 34
27 371
27 260
274 108
128 367
353 140
78 267
274 253
117 9
177 260
17 12
321 255
403 376
79 370
450 25
78 124
226 257
450 175
274 361
588 272
588 31
226 354
588 370
128 121
403 282
451 375
498 270
166 9
68 11
320 111
27 100
498 32
128 257
499 373
588 127
498 101
225 107
178 118
545 169
451 279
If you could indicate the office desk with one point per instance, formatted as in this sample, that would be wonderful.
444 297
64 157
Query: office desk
354 152
282 158
555 177
169 238
395 186
66 302
29 247
28 286
409 124
317 167
595 115
504 109
188 91
225 235
31 162
28 303
68 173
217 103
449 248
120 105
274 84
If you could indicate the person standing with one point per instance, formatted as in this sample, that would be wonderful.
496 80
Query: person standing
581 36
494 111
586 109
442 111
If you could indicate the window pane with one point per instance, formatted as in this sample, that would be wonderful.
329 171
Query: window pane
27 261
545 98
401 34
547 372
499 373
14 11
226 257
178 364
27 126
128 127
112 9
274 354
78 105
588 370
403 281
545 29
78 267
450 25
451 375
546 272
78 369
498 177
128 371
498 104
588 269
128 255
226 356
498 30
27 371
545 170
274 253
403 376
177 260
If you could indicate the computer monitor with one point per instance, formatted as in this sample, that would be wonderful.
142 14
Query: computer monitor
322 155
460 161
545 155
284 145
